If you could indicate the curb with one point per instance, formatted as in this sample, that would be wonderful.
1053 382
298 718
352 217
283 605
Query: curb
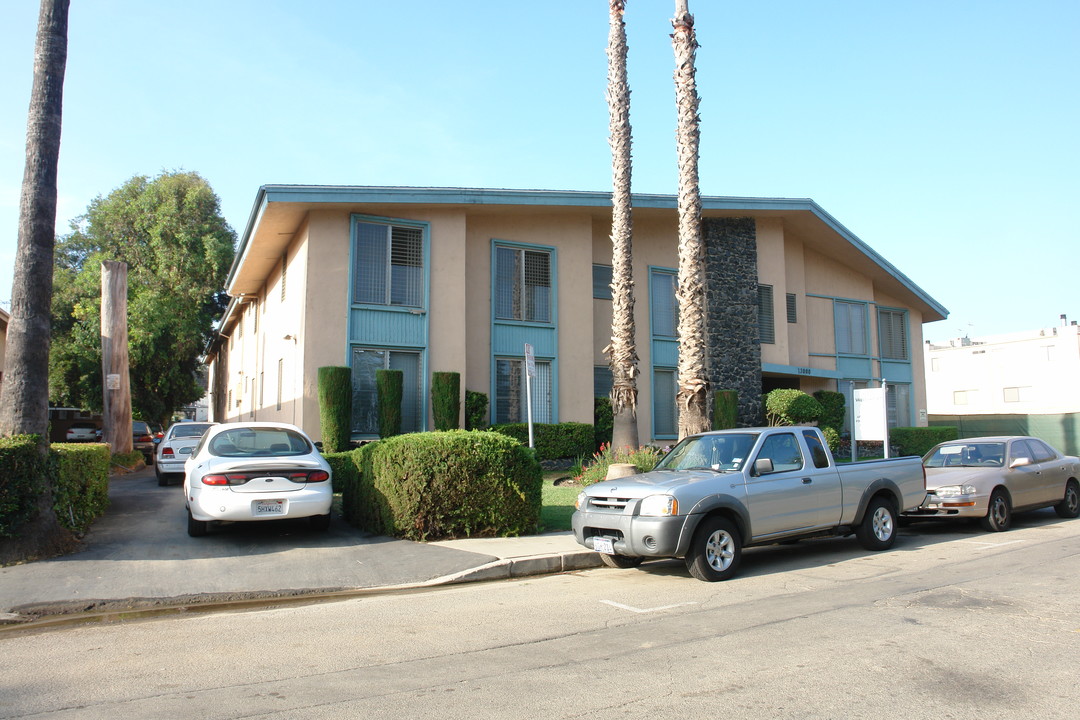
509 568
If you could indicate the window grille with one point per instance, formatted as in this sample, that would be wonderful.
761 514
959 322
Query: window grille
792 314
522 284
511 405
892 335
766 326
388 265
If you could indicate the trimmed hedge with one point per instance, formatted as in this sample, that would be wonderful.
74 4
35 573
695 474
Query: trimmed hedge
78 473
787 406
457 483
553 440
476 410
833 409
389 386
342 469
919 440
335 407
23 474
446 399
81 490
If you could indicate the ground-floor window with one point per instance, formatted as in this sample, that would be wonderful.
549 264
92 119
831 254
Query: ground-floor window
665 419
365 406
898 401
510 399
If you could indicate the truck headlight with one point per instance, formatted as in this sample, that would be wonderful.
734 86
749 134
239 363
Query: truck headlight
950 491
581 501
659 506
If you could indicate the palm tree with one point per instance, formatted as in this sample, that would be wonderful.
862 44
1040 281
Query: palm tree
692 395
24 395
622 350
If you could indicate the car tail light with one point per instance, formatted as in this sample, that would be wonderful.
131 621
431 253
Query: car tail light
311 476
318 476
167 452
215 480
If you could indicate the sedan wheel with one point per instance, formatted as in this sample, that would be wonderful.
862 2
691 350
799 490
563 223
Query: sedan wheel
999 516
1069 507
715 551
196 528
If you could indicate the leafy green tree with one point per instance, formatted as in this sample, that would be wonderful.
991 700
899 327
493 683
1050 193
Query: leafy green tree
178 249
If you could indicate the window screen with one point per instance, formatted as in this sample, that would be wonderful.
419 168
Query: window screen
850 319
522 284
388 265
892 335
664 310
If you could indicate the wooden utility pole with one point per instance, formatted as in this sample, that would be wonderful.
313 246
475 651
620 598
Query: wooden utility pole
114 356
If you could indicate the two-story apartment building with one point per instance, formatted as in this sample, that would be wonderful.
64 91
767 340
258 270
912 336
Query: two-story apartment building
455 279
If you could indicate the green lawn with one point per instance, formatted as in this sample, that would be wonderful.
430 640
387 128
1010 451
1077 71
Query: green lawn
558 503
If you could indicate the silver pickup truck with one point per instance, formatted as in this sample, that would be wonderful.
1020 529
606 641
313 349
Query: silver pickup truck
718 492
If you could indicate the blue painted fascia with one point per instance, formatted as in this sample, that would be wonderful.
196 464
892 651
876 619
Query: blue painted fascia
801 371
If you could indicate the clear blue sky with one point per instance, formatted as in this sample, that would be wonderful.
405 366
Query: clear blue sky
943 134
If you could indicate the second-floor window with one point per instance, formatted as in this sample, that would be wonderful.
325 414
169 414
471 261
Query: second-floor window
892 335
663 308
388 265
522 284
765 315
850 318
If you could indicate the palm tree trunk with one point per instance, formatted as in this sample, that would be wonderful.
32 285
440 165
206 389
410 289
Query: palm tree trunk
623 350
692 395
24 395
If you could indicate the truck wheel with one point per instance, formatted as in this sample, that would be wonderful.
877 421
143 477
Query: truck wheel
620 561
715 551
999 516
877 531
1069 507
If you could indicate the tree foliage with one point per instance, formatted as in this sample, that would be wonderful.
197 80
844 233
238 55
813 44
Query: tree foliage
178 249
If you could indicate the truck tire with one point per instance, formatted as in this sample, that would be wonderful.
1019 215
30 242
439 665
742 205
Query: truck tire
715 551
620 561
877 531
1069 507
999 515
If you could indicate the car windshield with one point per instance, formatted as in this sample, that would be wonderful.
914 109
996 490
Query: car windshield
189 430
259 442
716 452
962 454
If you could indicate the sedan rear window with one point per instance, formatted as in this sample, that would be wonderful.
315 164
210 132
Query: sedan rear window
259 442
189 430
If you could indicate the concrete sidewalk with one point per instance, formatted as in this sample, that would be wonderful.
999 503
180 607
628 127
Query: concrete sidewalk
139 556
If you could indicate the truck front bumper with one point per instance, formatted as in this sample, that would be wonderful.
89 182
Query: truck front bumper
631 535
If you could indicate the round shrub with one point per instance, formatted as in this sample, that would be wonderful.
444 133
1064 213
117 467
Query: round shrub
787 406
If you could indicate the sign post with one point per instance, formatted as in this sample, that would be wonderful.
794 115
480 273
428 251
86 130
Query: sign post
530 373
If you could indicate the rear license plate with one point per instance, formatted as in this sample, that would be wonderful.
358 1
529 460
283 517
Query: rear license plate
269 507
603 545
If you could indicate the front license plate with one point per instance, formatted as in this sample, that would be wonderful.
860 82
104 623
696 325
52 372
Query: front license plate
603 545
270 507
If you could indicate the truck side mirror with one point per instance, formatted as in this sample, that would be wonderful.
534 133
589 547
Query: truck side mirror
763 466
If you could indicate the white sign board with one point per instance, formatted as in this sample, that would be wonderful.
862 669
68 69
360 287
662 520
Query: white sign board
112 381
870 418
530 361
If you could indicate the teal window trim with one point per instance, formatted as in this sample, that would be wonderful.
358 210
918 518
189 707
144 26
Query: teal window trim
424 227
653 366
865 328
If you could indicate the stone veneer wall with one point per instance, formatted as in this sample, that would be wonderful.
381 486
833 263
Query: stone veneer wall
731 306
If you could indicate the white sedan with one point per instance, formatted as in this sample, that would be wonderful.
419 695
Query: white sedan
174 448
256 471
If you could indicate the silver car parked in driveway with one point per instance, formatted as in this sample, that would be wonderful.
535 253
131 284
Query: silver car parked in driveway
256 471
174 448
989 478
